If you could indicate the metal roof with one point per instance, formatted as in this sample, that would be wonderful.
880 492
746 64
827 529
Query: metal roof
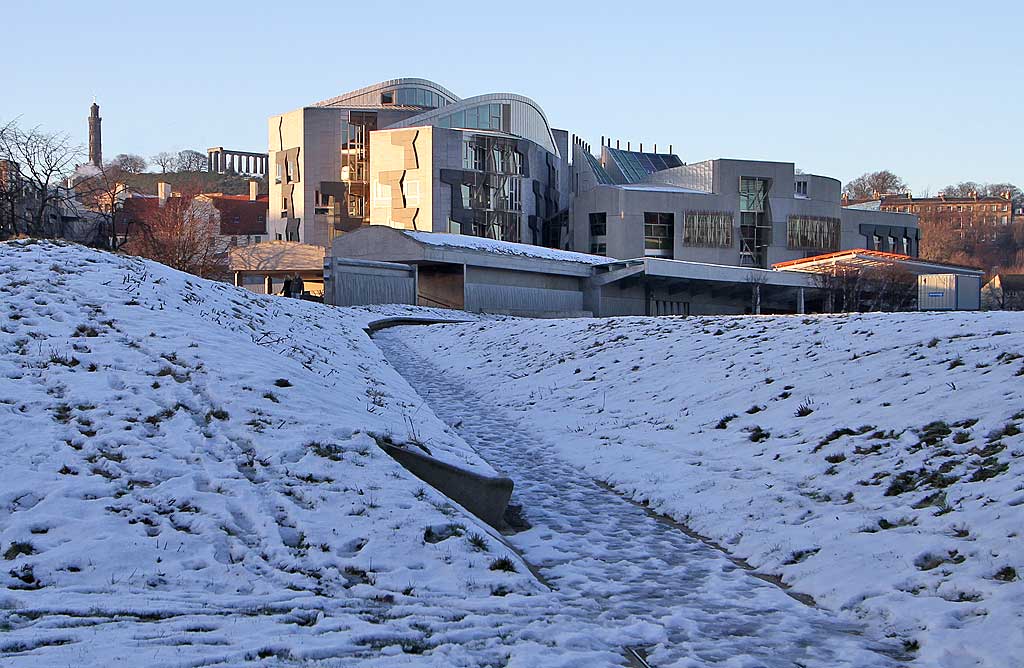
862 258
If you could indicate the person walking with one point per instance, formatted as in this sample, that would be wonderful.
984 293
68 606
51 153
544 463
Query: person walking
286 291
297 286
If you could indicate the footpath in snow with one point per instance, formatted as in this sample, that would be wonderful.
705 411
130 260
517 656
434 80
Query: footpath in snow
875 462
614 565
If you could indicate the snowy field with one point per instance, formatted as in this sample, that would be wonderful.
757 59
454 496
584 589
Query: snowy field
191 476
873 462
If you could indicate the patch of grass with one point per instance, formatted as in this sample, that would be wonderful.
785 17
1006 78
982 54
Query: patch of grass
271 396
757 434
724 422
17 548
754 409
1009 429
805 408
1005 574
989 470
282 382
836 458
503 564
217 414
436 534
933 343
961 437
955 363
478 542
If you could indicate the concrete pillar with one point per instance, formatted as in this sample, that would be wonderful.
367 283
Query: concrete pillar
268 284
800 306
238 279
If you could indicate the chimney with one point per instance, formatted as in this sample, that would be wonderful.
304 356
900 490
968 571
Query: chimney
616 143
641 147
254 190
163 191
628 146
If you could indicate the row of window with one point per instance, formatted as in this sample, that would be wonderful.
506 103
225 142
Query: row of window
924 208
715 229
418 97
483 117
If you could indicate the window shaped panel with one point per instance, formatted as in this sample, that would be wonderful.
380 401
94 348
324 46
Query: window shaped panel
598 224
471 118
459 119
812 233
387 98
710 229
658 233
753 193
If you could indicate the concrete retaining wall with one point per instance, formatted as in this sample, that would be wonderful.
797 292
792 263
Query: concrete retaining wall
483 496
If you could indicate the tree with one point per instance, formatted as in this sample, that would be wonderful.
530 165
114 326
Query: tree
183 233
103 193
872 184
44 163
129 163
167 162
191 161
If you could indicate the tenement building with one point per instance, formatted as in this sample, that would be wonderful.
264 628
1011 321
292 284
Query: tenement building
412 155
630 204
958 211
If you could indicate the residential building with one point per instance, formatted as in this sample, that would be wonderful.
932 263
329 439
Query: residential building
240 220
1004 292
961 211
747 213
410 154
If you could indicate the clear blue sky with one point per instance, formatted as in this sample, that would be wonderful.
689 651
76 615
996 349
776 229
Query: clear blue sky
931 90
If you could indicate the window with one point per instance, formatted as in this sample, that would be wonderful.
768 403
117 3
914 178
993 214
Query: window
598 248
598 224
658 229
708 228
812 233
876 242
801 189
906 246
387 98
753 193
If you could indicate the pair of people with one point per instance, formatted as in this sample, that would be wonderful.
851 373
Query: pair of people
293 287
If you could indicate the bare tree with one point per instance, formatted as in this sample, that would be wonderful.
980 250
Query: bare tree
129 163
756 279
44 163
191 161
103 194
183 233
872 184
167 162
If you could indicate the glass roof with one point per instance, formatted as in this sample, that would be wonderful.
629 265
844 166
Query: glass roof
636 166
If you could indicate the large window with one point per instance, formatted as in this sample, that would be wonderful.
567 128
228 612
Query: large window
812 233
711 229
598 224
658 228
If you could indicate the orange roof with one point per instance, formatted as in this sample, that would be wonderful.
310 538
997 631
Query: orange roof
865 257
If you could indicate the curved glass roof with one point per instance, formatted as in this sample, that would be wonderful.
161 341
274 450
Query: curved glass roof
506 112
399 92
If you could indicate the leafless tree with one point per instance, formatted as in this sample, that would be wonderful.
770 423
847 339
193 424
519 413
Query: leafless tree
167 162
872 184
756 279
183 234
44 163
853 289
997 296
103 193
191 161
130 163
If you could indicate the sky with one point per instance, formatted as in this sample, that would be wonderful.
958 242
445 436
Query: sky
929 90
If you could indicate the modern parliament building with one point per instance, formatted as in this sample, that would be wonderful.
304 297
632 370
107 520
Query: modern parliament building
668 236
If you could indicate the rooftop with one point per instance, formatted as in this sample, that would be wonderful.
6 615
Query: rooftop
467 242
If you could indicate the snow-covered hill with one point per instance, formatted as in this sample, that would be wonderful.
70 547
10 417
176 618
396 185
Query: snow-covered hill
875 462
189 476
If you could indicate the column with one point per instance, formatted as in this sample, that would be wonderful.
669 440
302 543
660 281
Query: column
800 304
757 299
268 284
238 279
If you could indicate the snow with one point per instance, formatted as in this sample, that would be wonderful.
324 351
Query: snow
190 476
469 242
873 462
